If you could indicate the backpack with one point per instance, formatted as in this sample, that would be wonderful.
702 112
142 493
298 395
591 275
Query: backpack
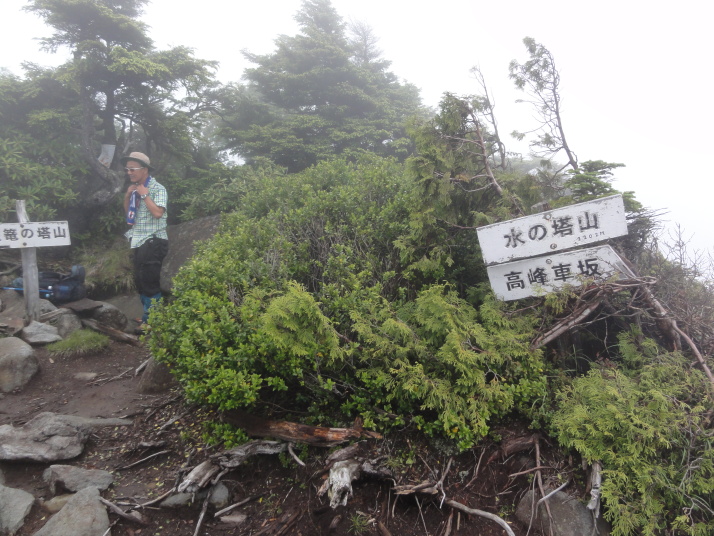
59 288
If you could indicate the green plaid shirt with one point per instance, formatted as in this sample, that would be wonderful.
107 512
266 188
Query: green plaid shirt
145 225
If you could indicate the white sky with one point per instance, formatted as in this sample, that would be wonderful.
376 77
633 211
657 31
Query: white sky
635 75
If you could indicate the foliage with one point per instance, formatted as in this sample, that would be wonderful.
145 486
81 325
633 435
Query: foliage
648 424
320 94
38 161
540 79
222 187
109 270
117 90
77 343
303 300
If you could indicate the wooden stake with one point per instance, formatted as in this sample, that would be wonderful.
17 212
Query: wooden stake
30 275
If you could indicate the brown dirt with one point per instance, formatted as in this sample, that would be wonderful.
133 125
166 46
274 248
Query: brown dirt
280 489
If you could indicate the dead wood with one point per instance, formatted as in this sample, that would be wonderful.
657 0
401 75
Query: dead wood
113 333
481 513
118 511
234 506
564 325
345 466
512 445
290 431
139 462
382 529
220 463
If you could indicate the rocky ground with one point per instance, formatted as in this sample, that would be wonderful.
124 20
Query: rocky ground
278 496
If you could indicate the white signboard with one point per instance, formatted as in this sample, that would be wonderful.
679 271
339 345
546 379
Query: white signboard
539 275
34 234
554 230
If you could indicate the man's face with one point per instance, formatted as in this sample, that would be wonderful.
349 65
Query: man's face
136 171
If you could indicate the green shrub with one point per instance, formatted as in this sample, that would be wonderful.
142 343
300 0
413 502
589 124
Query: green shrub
302 301
649 425
80 342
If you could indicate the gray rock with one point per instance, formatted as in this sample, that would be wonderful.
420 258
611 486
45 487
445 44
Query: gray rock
55 504
72 478
110 315
156 378
570 516
39 333
67 324
49 437
46 306
17 364
15 504
182 239
83 515
220 497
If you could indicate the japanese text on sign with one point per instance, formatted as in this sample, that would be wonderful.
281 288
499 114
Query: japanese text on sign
538 275
34 234
555 230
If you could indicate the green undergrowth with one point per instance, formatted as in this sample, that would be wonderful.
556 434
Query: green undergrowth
648 422
303 301
80 342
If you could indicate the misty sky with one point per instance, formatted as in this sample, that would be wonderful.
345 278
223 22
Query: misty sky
635 77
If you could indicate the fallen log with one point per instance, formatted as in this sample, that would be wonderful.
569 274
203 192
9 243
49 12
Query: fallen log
316 436
113 333
222 462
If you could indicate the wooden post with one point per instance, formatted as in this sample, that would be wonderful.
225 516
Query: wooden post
30 276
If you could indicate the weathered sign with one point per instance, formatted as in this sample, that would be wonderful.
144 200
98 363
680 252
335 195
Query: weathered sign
554 230
539 275
34 234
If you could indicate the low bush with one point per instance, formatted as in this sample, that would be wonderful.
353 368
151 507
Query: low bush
302 302
649 423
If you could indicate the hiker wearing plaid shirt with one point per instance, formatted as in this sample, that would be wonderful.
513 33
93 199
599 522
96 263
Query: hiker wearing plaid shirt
145 207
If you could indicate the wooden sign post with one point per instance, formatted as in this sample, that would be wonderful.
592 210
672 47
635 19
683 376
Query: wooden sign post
28 236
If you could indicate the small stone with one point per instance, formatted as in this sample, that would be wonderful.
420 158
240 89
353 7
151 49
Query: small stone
85 376
235 519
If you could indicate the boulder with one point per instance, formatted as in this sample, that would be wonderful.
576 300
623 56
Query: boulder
109 315
570 517
38 333
67 324
49 437
83 515
18 364
15 504
182 239
157 378
70 478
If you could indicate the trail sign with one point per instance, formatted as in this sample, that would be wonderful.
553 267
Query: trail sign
554 230
540 275
34 234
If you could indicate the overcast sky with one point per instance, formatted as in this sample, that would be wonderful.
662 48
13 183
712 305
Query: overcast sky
635 75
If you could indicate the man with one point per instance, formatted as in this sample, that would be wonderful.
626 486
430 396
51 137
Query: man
145 208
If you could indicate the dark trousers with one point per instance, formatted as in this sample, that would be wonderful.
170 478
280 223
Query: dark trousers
147 265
